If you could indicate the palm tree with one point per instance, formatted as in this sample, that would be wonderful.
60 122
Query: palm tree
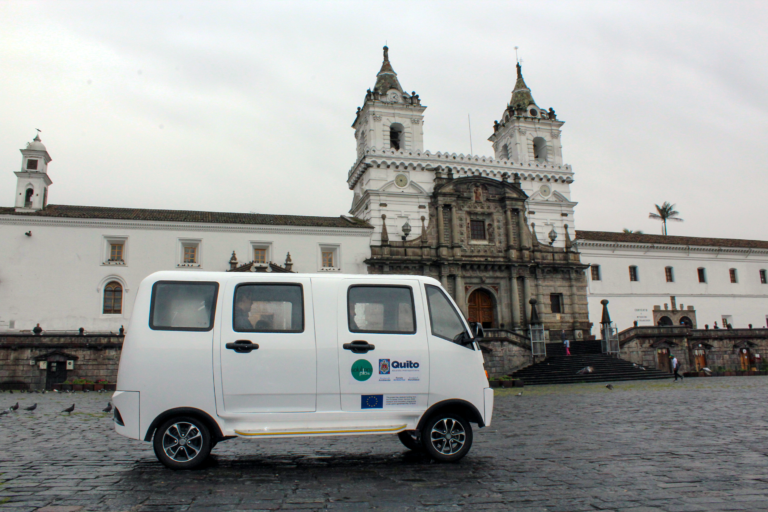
665 212
632 231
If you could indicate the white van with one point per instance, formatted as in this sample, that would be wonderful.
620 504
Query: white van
211 356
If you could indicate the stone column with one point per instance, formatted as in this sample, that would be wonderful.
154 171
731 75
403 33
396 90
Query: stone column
454 226
526 299
510 233
515 293
461 298
440 226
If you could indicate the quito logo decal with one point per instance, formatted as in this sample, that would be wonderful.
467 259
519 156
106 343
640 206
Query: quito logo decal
383 366
362 370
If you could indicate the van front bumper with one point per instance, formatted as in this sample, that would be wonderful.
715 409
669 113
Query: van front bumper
487 406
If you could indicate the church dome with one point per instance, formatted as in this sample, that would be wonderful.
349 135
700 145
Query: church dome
36 144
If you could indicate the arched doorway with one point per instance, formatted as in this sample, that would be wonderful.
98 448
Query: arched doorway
481 308
745 358
699 358
662 359
686 322
665 320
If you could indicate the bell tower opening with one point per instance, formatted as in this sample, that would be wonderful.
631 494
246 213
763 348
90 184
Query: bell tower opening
28 198
540 149
396 136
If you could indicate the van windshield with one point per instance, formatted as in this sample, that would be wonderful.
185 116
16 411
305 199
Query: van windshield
444 319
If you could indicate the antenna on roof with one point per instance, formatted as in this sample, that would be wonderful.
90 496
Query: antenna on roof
469 122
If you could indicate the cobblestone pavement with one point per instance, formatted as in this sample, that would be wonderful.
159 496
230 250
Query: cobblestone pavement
646 446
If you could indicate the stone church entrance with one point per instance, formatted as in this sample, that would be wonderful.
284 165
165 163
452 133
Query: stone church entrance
662 355
57 373
481 308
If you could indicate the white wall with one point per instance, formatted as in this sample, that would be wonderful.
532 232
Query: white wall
56 276
746 301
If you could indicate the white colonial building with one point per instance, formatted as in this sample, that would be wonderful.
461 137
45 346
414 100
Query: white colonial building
706 280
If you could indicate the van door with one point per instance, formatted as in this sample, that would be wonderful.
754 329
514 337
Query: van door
382 344
267 348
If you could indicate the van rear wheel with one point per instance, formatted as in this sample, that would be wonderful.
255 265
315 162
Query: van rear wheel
447 437
410 439
183 442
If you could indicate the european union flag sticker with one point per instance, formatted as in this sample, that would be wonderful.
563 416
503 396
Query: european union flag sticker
371 401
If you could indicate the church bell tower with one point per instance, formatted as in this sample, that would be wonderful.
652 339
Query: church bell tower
32 180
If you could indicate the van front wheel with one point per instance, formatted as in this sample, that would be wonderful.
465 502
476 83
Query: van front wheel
182 443
447 437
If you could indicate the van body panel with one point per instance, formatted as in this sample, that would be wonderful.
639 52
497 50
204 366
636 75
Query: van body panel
127 402
281 374
399 363
325 292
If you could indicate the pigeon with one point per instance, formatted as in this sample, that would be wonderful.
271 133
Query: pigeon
585 370
55 390
69 410
108 408
707 371
610 386
4 412
15 407
519 394
31 407
10 391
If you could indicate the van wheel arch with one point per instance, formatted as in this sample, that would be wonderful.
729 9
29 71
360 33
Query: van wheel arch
213 426
462 407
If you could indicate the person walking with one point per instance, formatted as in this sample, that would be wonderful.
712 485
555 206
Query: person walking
676 367
567 346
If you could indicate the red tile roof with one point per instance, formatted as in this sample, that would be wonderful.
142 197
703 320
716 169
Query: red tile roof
101 212
635 238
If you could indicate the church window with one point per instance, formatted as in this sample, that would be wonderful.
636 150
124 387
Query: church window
668 273
259 255
116 252
329 258
190 254
32 164
734 276
28 198
396 136
633 273
477 229
540 149
505 152
113 298
702 275
596 272
556 299
763 277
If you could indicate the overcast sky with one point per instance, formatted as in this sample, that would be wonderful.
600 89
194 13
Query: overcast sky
230 106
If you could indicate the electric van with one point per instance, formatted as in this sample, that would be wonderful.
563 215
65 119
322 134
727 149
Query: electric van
210 356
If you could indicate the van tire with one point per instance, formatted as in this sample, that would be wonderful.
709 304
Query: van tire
410 439
446 437
194 449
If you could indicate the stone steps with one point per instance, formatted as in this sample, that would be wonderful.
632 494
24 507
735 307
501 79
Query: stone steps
561 369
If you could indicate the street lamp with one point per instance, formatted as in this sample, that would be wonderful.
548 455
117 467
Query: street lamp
406 230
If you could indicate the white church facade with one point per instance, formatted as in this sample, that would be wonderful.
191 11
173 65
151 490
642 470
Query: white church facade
498 231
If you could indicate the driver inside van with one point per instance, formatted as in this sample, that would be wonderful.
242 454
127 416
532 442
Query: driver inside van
243 307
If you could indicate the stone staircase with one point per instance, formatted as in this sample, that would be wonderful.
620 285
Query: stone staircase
558 368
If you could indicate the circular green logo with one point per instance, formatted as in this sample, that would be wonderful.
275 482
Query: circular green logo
362 370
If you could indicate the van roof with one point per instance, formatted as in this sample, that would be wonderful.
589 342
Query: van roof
186 275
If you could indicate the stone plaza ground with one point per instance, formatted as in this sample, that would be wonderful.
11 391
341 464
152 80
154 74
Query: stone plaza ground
646 446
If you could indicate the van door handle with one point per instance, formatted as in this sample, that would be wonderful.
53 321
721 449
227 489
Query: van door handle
242 346
359 346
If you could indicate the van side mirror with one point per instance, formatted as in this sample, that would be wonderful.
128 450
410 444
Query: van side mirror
477 330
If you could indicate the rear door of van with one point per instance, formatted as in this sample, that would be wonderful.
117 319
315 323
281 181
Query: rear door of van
383 351
268 357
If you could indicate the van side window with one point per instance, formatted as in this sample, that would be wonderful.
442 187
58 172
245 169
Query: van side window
268 308
183 306
443 318
381 309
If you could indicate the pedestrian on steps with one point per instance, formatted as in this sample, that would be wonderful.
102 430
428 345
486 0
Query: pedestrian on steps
567 345
676 367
